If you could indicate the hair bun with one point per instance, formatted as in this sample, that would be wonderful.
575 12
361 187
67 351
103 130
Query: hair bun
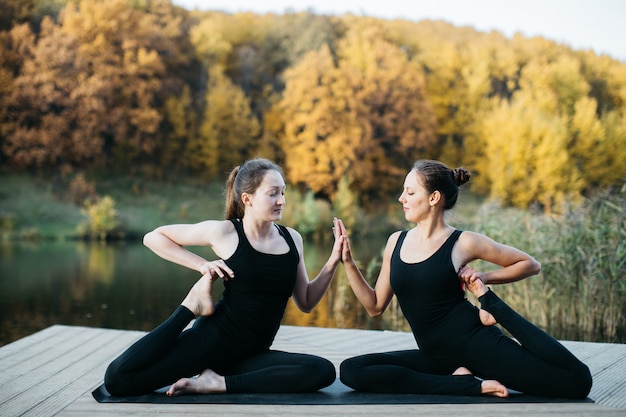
461 176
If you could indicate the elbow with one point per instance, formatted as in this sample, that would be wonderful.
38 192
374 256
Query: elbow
374 312
306 310
148 238
303 305
535 267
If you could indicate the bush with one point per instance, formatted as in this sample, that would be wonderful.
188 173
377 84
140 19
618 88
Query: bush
102 218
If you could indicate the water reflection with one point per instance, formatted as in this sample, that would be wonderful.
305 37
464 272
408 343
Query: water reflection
126 286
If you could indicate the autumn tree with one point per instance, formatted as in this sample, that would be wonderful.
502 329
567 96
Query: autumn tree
182 120
16 46
526 159
15 12
365 117
227 130
402 120
40 127
547 145
97 80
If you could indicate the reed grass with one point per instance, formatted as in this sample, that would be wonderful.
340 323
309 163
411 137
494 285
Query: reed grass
580 293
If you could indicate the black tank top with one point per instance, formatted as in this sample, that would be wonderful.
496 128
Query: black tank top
253 302
431 297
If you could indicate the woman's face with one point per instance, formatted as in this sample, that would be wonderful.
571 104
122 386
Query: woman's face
268 201
414 198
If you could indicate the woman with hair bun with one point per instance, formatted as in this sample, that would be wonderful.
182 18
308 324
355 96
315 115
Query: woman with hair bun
228 347
460 352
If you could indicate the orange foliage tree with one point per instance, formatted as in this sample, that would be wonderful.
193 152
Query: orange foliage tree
365 118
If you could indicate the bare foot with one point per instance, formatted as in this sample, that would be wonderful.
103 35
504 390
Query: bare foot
461 370
494 388
486 318
476 286
206 383
199 300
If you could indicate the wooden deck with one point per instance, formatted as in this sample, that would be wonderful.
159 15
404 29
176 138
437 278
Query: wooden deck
52 373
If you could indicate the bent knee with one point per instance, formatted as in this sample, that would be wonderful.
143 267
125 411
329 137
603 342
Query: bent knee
585 382
348 372
326 373
116 384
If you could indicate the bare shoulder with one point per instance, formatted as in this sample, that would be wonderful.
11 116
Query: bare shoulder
214 232
297 240
473 245
473 242
221 236
295 235
469 238
392 240
222 227
217 228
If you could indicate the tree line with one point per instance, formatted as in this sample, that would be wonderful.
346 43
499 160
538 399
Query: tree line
148 88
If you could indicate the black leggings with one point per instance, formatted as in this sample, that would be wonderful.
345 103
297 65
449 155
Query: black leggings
168 353
537 365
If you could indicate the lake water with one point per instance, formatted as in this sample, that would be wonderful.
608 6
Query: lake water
126 286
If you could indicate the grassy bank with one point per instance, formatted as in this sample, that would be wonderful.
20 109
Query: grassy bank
32 208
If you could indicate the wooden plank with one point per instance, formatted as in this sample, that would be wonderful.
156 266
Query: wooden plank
62 373
83 376
61 378
37 342
37 355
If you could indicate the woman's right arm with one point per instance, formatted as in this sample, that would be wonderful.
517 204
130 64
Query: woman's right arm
375 300
169 243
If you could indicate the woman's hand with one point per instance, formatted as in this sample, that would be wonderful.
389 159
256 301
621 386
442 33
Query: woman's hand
346 251
473 280
217 269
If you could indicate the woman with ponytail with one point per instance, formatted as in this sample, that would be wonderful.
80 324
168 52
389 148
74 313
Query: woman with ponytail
228 347
460 352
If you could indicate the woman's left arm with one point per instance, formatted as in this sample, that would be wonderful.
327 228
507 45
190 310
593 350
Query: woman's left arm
306 294
515 264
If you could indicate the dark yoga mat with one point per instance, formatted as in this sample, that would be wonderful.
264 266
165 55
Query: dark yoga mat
337 393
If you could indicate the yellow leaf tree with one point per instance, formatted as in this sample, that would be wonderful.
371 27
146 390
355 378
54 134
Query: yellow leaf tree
226 130
526 159
360 115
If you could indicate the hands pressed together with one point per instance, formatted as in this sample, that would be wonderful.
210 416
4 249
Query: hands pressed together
341 249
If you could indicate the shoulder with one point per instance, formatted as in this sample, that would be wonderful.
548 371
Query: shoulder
212 232
467 237
297 239
473 244
295 235
219 227
393 240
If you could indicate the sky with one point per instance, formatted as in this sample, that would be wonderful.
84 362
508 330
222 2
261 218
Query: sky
599 25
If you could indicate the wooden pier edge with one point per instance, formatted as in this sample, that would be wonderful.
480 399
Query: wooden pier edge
52 373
